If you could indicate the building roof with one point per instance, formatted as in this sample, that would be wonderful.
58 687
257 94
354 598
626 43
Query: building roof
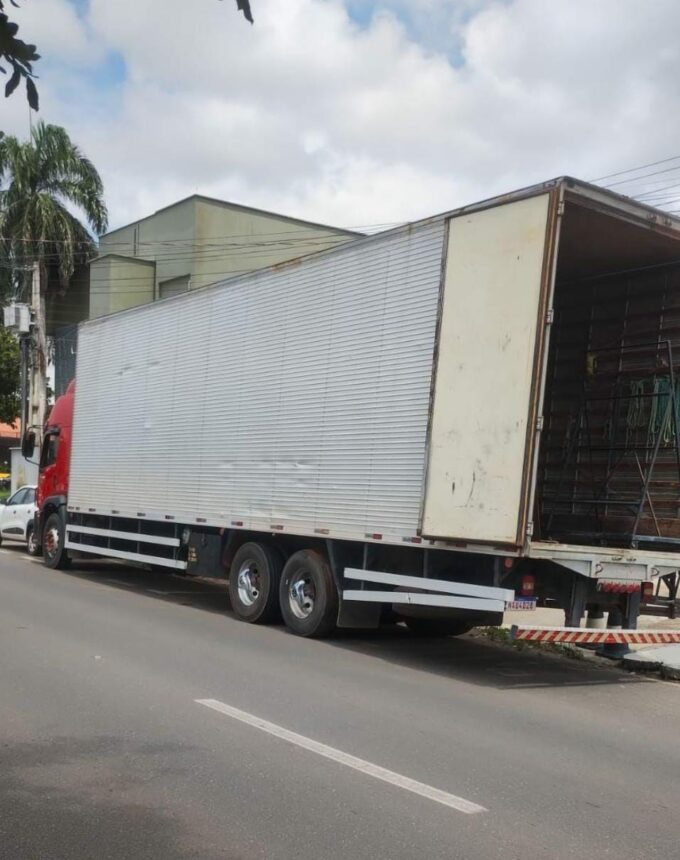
10 430
127 259
213 201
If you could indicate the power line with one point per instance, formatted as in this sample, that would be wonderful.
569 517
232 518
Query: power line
644 176
635 169
295 235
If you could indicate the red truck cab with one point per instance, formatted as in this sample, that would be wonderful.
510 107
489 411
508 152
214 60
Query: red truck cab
51 497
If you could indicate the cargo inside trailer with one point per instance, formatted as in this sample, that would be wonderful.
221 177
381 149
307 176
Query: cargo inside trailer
609 461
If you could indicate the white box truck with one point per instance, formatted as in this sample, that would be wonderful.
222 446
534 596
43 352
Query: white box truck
414 426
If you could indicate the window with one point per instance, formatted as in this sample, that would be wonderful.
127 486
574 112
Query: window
173 287
29 498
18 498
50 447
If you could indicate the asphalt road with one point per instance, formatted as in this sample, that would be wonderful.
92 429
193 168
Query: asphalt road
105 751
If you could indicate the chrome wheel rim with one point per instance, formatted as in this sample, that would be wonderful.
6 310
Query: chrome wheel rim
31 541
52 541
248 583
301 596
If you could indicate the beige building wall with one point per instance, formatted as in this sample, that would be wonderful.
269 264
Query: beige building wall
118 282
193 243
166 238
231 240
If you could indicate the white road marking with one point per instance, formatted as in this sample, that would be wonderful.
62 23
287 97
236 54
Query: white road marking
366 767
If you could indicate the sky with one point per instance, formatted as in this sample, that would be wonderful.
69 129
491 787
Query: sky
357 113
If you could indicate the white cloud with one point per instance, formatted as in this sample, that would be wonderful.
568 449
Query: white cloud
432 104
59 32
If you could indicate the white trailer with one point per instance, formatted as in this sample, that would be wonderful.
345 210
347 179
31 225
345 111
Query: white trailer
386 429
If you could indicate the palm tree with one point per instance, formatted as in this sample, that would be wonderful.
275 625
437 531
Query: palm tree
43 182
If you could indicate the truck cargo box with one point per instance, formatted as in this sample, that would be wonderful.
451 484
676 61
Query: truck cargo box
464 380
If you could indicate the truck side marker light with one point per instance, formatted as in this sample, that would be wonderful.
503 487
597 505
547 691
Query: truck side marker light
238 524
647 590
618 587
276 528
374 536
322 531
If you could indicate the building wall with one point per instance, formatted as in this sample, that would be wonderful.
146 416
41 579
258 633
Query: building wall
117 283
230 241
166 238
71 306
194 243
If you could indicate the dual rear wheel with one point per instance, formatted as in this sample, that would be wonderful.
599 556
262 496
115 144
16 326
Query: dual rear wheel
302 590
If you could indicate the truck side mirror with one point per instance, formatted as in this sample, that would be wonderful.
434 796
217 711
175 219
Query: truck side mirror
28 444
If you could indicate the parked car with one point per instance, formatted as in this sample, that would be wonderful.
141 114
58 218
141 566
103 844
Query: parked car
16 518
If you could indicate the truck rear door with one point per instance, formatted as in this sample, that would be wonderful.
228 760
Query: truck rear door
487 372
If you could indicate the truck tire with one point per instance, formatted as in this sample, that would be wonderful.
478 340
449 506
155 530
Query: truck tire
309 597
254 578
54 538
437 627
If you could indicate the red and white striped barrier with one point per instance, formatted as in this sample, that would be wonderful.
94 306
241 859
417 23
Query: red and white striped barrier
586 636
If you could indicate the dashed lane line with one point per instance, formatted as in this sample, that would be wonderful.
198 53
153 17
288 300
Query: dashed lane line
365 767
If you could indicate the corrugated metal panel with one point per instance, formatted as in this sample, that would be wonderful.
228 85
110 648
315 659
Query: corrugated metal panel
296 396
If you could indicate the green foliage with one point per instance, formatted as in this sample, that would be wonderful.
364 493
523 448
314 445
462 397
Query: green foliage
9 377
38 179
19 56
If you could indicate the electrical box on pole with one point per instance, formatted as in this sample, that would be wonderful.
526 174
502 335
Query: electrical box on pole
17 318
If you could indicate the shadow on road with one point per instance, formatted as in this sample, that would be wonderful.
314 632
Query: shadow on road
80 799
471 658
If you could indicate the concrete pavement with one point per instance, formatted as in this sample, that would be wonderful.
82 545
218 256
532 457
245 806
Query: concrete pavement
105 752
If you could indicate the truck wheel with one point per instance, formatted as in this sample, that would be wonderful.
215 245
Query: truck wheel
32 545
54 538
437 627
254 583
309 598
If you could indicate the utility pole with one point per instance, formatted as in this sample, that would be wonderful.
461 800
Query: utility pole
25 350
37 398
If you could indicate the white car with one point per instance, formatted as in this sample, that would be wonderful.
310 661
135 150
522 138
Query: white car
16 518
